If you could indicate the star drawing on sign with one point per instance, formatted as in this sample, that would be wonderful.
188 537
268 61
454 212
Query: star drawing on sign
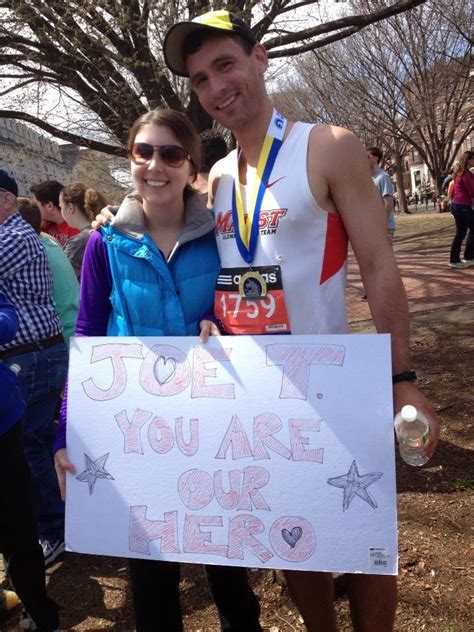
94 470
355 485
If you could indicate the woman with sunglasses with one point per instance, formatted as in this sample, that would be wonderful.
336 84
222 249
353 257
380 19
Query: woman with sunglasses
152 272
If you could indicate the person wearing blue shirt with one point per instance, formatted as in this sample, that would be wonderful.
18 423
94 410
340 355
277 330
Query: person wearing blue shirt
18 542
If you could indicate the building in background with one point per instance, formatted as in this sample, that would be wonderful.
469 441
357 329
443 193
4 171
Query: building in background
31 157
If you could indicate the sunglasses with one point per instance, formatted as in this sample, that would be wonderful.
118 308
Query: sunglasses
171 155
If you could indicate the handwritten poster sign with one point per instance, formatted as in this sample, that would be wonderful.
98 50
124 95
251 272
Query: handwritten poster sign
261 451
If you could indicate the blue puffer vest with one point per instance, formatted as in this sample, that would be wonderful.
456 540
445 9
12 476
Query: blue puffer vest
152 296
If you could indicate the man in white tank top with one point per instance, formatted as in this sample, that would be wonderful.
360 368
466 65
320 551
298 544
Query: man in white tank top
291 251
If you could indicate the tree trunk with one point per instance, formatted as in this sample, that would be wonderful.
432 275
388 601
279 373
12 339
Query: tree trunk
198 116
402 200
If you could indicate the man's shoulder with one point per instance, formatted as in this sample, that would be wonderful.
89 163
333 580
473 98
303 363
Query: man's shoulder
16 229
383 182
334 142
14 223
332 134
381 176
334 152
224 165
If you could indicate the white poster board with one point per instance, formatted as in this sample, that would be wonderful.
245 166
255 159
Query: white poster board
259 451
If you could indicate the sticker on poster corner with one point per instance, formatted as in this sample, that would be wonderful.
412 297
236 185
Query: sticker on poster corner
380 559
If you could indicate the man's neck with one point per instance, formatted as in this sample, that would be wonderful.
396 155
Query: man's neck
251 137
6 214
55 217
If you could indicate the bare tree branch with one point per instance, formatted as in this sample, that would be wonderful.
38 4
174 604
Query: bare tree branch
67 136
106 54
404 83
352 23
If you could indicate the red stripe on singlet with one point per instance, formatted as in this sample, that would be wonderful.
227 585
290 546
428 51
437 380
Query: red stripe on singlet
335 248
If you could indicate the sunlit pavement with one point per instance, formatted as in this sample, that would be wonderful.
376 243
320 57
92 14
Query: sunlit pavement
428 280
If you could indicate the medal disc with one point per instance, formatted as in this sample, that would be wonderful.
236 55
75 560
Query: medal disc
252 285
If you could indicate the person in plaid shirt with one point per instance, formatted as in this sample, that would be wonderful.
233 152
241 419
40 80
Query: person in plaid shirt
39 355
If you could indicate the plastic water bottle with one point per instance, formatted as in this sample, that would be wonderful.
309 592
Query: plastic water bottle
412 430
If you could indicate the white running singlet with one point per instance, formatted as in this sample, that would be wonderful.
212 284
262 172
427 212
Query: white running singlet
309 244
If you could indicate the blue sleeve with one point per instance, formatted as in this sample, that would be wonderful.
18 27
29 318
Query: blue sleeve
8 320
386 186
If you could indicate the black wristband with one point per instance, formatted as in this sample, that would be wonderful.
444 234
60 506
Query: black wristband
406 376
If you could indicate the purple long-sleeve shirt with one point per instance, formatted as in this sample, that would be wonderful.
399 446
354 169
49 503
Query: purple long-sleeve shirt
94 308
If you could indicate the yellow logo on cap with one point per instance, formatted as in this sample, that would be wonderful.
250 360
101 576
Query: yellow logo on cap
216 19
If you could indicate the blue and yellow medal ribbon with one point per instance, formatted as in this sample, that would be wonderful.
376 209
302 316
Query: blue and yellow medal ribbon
246 228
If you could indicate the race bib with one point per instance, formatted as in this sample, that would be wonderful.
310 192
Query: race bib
251 301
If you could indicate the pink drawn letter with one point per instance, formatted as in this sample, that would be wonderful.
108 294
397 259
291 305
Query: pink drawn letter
201 357
237 438
297 360
227 500
264 427
143 531
241 533
163 444
165 371
131 429
190 448
293 538
195 540
254 478
116 352
298 442
195 489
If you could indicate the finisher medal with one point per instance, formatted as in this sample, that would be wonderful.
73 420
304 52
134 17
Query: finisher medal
252 285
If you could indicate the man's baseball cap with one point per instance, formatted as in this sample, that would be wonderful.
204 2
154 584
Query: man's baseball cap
216 21
8 183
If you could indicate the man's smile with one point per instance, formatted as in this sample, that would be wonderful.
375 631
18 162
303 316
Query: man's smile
227 102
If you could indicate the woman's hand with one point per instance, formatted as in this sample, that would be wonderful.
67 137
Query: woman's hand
105 216
208 328
62 465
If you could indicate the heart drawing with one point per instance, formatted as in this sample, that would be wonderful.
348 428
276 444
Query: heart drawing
165 368
292 537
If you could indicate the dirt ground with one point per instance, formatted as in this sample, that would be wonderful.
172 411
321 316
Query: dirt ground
434 502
